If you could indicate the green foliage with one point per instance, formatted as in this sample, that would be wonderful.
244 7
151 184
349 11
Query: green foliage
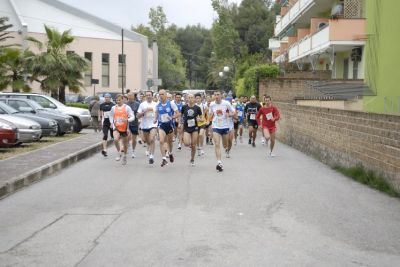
4 34
369 178
13 69
254 74
170 61
55 69
240 88
254 21
77 105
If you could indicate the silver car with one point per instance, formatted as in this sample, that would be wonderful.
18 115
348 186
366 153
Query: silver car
29 131
81 116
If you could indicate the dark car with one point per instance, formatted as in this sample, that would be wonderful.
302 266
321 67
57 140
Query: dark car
8 134
49 127
65 122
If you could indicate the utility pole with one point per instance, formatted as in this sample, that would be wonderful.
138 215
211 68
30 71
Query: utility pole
123 61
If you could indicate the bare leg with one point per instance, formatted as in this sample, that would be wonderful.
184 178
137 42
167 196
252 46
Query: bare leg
116 141
151 142
217 144
195 137
162 135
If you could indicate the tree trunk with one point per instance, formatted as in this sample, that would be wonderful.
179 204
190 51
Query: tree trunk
54 94
61 94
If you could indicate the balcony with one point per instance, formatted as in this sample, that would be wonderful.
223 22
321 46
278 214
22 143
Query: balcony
292 14
342 33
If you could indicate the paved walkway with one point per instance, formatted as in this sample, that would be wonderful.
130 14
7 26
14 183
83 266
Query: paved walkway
287 211
21 165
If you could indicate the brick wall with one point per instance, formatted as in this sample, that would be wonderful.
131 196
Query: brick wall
347 138
283 90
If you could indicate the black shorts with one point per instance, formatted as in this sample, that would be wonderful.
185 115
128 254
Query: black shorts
134 129
167 128
148 130
107 129
253 124
122 134
191 130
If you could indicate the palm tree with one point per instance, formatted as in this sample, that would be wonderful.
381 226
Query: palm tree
3 27
54 68
13 62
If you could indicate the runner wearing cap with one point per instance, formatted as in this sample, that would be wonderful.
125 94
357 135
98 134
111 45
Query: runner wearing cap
104 117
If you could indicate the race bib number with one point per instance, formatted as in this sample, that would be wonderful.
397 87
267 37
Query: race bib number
252 117
165 118
269 116
219 122
240 113
191 123
107 114
119 120
149 114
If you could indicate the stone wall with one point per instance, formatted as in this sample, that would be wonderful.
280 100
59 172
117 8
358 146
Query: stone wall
346 138
282 90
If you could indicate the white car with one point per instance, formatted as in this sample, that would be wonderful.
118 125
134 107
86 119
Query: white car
81 116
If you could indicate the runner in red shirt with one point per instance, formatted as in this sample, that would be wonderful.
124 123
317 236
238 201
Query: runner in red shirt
267 116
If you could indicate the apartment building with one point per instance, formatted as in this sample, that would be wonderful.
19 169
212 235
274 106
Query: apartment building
96 39
325 34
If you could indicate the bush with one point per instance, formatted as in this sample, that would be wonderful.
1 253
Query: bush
77 105
254 74
239 87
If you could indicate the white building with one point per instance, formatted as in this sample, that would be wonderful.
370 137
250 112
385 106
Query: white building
96 39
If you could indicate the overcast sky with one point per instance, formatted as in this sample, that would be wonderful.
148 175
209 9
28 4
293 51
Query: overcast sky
134 12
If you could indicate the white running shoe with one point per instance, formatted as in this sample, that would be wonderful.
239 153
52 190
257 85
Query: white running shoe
118 158
147 153
133 155
227 154
202 152
198 152
263 141
124 160
192 163
272 155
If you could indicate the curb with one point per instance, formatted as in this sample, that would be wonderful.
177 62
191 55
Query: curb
19 182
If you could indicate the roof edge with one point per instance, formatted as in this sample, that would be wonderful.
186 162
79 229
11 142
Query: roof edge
104 23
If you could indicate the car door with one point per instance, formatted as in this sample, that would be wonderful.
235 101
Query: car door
20 105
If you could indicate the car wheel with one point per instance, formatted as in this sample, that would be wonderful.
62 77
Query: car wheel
77 125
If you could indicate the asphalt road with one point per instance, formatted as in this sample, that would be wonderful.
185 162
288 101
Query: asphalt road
285 211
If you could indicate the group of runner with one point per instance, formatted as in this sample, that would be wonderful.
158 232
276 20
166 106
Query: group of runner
217 118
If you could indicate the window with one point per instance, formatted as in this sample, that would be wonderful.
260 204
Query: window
88 73
355 69
121 71
105 70
44 102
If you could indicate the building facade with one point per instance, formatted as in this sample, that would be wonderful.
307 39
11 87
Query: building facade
98 40
323 34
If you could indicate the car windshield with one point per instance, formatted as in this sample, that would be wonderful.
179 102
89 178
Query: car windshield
35 105
8 109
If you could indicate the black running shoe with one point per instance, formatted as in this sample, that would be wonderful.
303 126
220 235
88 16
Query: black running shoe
151 161
164 162
254 144
104 153
171 158
140 142
249 141
219 167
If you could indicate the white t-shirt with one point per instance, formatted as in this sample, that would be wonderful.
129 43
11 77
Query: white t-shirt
219 111
149 116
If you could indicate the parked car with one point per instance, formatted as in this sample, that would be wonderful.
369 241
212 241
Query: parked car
65 122
89 99
29 130
9 134
74 98
49 127
81 116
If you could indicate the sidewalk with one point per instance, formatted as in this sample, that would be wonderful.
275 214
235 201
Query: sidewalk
25 169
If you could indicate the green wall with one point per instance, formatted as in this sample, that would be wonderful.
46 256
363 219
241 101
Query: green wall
382 71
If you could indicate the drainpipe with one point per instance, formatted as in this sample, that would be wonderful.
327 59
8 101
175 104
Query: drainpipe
155 66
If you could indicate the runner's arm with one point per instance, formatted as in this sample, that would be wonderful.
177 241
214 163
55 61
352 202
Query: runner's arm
131 115
276 114
258 116
111 118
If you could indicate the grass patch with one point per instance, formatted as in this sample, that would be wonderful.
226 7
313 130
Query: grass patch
369 178
77 105
6 153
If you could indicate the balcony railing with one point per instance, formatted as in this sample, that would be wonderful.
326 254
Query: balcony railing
293 13
339 31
